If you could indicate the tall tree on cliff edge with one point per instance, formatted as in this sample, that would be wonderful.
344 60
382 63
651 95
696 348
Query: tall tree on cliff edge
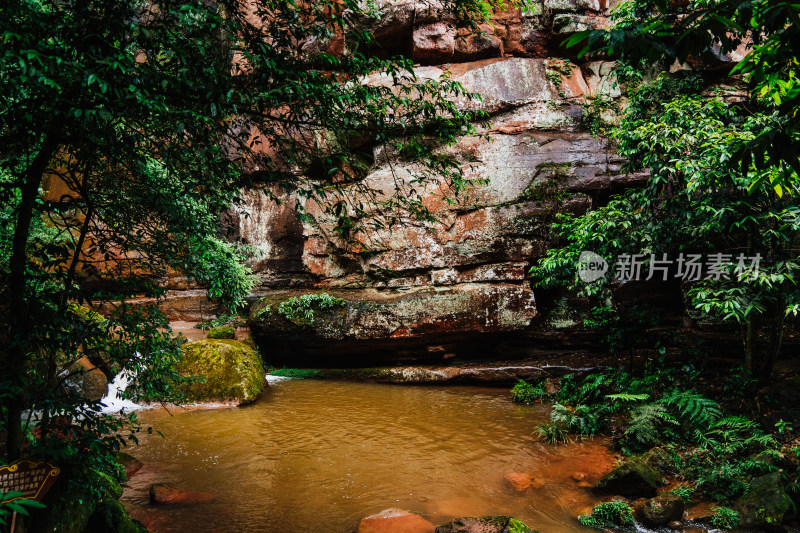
127 127
723 169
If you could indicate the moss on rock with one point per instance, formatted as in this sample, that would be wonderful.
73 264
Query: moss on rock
227 370
111 517
72 504
221 332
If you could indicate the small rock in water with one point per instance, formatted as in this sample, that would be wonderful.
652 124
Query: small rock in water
395 521
521 482
166 493
675 525
130 463
578 476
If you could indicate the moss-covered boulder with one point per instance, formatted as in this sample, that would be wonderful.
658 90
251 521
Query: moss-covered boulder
660 460
227 371
110 517
75 499
633 479
765 504
485 524
222 332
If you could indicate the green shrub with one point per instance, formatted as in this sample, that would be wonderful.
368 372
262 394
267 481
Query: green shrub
725 518
222 332
685 492
300 310
608 514
524 392
297 373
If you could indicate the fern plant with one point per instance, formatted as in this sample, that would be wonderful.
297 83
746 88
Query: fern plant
649 426
692 408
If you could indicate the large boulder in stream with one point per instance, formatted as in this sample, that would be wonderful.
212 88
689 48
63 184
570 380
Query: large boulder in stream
766 504
632 479
485 524
226 371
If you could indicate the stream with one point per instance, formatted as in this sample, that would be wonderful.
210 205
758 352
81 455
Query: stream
320 455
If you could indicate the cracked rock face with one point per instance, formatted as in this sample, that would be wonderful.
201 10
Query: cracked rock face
460 283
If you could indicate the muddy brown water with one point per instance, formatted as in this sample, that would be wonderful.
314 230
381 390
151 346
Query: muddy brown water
317 456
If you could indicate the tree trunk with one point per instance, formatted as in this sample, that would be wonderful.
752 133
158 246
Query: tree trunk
17 284
749 341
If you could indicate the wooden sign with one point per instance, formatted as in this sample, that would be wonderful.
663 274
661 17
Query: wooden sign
33 479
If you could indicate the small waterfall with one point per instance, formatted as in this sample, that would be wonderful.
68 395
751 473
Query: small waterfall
113 401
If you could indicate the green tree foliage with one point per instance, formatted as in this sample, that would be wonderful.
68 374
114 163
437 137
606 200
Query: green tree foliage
695 201
661 32
127 128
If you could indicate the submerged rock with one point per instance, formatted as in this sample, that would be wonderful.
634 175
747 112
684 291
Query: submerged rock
485 524
166 493
633 479
765 504
395 521
521 482
229 371
661 510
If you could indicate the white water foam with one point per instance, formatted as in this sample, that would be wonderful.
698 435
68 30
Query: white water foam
276 379
113 401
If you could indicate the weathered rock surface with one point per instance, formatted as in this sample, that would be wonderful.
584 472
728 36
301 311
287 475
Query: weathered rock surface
86 381
495 375
229 371
765 504
661 510
485 524
395 521
632 479
403 324
461 282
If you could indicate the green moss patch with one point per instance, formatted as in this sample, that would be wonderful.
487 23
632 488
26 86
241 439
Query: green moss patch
227 370
222 332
